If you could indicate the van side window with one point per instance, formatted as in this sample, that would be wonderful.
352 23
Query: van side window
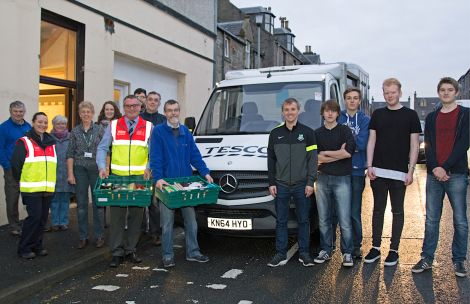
333 92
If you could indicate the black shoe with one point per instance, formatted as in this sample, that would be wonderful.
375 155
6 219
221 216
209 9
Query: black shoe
372 256
392 258
115 262
460 269
306 259
198 258
29 255
16 232
156 240
357 253
132 257
167 263
278 260
42 252
421 266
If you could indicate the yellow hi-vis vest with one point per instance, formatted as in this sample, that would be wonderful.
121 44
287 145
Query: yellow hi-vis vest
39 168
129 153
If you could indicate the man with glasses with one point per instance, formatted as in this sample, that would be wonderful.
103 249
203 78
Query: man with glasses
10 131
173 153
129 137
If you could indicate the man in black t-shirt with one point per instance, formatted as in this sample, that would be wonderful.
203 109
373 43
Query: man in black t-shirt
335 146
392 152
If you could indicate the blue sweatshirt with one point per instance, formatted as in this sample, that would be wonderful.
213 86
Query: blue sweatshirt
359 125
10 132
172 156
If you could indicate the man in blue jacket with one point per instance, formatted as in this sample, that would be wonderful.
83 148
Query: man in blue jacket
446 135
358 122
10 131
172 153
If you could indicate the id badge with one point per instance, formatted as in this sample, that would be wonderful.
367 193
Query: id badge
88 155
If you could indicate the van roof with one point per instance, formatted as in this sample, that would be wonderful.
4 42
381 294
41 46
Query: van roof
336 69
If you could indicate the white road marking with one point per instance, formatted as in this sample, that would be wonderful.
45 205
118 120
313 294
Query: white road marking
177 246
122 275
140 268
292 250
160 269
193 301
153 286
106 287
130 302
232 274
189 283
245 302
216 286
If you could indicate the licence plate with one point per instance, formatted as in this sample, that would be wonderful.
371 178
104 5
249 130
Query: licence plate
229 224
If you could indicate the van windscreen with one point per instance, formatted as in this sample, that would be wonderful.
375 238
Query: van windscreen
256 108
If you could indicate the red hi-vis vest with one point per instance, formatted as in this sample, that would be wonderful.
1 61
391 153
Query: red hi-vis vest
130 153
39 168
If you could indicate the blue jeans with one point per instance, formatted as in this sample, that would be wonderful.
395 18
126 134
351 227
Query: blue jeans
302 210
167 217
357 188
86 179
456 190
334 193
60 208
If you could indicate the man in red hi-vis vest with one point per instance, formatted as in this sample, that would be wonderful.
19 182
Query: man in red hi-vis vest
129 138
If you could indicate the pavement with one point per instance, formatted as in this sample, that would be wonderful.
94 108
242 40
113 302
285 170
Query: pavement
80 270
21 278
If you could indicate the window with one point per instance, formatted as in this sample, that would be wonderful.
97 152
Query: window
61 60
290 43
333 92
284 58
226 47
247 55
422 103
269 23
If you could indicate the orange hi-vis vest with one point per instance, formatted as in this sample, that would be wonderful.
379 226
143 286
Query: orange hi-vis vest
130 152
39 168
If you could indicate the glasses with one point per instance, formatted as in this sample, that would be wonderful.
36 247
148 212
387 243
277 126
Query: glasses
131 106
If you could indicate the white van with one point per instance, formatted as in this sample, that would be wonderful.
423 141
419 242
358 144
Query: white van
232 135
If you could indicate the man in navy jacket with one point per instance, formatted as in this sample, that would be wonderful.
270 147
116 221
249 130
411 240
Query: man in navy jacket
172 153
446 136
10 131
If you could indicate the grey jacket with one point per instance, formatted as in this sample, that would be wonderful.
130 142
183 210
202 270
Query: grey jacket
61 150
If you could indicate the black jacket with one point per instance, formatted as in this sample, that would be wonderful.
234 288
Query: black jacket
19 155
155 118
457 161
292 155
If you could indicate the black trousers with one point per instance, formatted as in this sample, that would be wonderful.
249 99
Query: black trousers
33 225
381 188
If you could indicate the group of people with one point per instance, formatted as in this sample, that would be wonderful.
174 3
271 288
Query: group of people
46 168
350 145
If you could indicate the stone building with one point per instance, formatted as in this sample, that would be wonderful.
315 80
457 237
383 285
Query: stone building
464 82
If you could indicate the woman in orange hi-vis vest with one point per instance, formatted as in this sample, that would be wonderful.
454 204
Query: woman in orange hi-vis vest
34 164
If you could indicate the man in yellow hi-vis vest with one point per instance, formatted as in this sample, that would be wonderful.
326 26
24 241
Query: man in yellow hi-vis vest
129 138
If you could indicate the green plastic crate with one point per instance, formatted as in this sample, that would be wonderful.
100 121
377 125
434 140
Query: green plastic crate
123 197
185 198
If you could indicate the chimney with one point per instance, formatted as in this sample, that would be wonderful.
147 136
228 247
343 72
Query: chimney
286 25
283 20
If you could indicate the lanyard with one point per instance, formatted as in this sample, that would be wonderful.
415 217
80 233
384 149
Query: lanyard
88 140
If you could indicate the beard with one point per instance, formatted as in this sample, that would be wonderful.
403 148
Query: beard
174 120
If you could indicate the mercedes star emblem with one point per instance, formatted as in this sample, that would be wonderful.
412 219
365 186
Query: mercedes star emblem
228 183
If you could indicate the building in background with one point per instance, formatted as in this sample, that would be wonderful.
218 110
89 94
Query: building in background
237 40
58 53
464 82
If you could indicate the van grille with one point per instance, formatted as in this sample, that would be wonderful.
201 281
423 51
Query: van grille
250 184
220 212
